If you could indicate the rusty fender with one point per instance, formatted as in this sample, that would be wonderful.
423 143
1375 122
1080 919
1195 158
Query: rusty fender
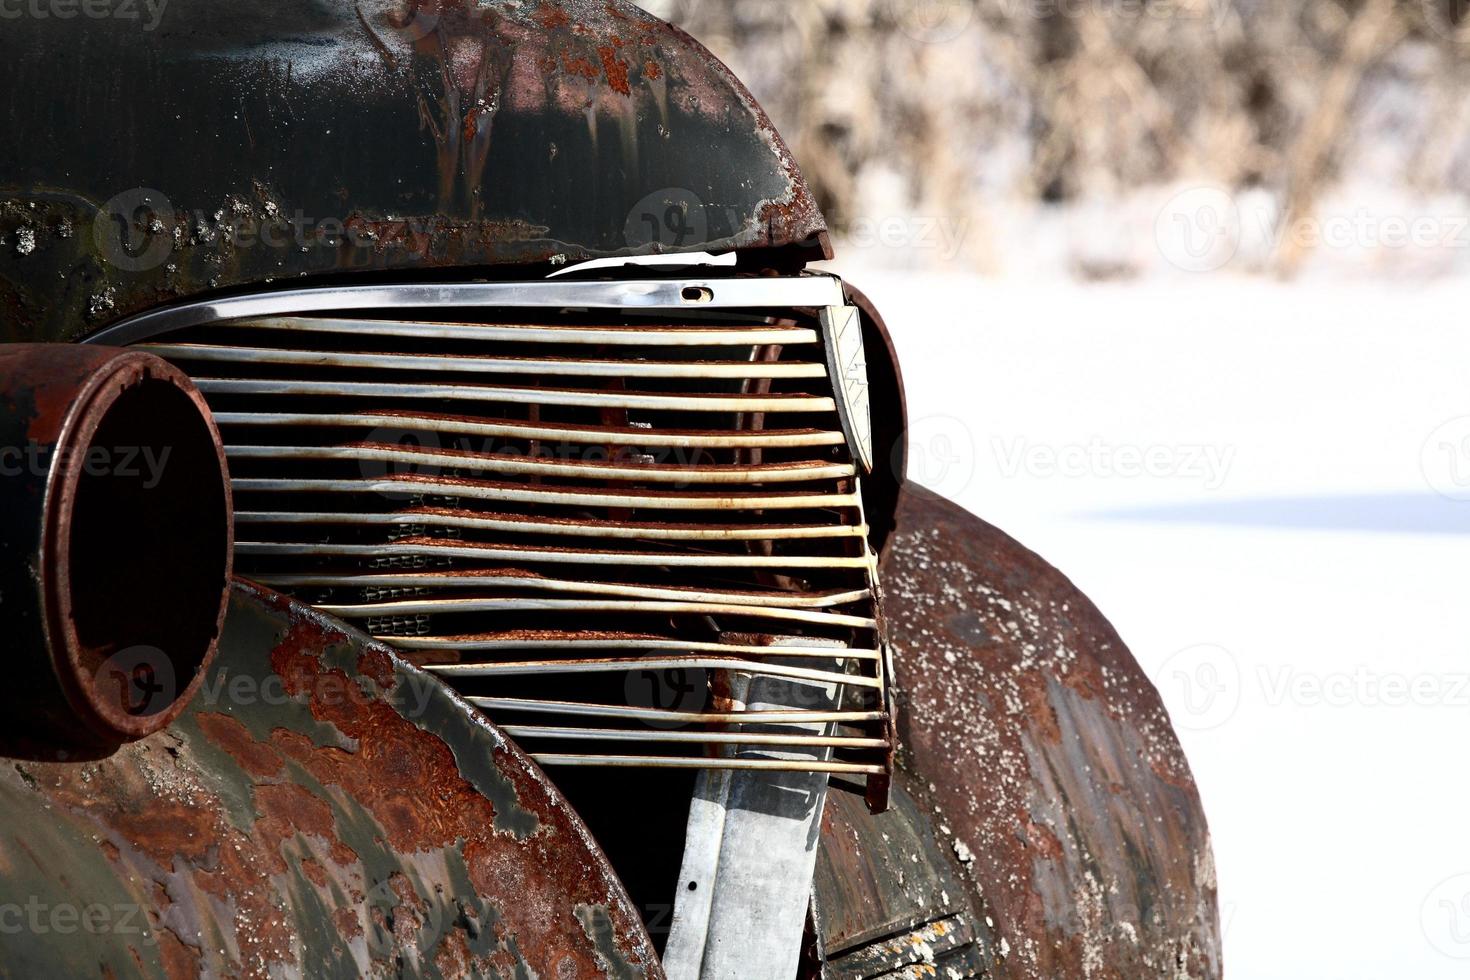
321 809
1045 759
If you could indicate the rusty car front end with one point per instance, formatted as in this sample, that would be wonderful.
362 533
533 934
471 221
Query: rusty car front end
515 573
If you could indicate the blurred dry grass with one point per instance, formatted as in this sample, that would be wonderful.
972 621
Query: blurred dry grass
963 103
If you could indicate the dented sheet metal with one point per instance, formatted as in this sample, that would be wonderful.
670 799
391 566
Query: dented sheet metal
321 809
239 143
1046 759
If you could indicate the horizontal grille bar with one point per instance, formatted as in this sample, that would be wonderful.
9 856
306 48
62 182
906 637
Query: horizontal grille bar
520 396
555 367
621 664
409 607
664 715
532 466
706 738
703 762
508 429
463 579
571 642
531 334
434 546
650 500
466 520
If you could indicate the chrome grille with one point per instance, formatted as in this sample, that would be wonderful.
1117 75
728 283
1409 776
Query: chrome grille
555 494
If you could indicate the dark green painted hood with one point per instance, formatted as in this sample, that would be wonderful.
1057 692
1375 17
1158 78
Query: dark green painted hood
154 150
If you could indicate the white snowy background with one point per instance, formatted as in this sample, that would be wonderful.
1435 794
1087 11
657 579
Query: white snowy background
1280 563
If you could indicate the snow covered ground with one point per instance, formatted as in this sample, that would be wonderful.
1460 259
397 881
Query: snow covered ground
1257 483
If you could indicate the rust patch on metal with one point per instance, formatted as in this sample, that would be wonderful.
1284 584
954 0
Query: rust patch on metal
579 66
226 732
552 17
321 808
285 810
615 69
376 663
1049 760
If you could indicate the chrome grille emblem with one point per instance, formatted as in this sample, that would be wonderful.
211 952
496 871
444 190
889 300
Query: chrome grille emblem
847 360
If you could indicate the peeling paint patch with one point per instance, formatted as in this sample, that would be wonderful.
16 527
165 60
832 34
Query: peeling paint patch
597 926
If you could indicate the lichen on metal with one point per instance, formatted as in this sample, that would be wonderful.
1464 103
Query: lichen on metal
1046 758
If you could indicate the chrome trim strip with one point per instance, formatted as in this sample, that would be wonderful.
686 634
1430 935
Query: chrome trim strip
526 333
639 294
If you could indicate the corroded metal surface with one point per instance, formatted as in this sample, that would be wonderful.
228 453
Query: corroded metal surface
321 809
887 895
239 142
1048 759
115 544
